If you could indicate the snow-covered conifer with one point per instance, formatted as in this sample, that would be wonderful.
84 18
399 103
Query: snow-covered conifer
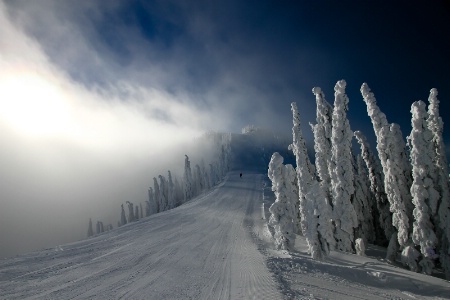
362 202
392 154
171 191
205 175
179 193
314 209
150 204
377 188
136 212
188 184
157 195
123 218
211 175
441 183
141 210
322 140
282 210
163 191
410 257
131 217
90 230
292 190
425 197
198 179
341 169
99 227
360 247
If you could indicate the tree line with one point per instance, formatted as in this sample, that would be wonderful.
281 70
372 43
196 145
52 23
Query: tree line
397 198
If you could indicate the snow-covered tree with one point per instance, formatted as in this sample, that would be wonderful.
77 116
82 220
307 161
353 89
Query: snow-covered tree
131 217
141 210
410 257
341 169
171 191
425 197
179 193
360 247
188 182
292 189
198 180
123 218
392 154
282 210
163 193
383 218
150 207
90 230
440 180
99 227
205 176
362 202
314 209
157 195
322 140
136 213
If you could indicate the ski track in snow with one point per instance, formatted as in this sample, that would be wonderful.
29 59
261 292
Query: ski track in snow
201 250
216 246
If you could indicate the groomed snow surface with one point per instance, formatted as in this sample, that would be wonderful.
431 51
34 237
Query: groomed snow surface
216 246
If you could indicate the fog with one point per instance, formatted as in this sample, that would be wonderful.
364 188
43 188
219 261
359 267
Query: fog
71 151
98 97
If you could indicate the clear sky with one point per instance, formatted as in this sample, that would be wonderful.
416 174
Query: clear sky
89 89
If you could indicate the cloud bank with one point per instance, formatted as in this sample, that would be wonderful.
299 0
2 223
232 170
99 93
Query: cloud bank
73 149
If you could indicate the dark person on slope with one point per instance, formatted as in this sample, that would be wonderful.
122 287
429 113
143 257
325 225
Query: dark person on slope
240 175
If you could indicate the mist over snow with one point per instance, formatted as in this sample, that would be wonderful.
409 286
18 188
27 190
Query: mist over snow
71 151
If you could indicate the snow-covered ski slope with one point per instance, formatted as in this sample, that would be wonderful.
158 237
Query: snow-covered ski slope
217 246
201 250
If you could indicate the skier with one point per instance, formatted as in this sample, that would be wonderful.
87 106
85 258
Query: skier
240 175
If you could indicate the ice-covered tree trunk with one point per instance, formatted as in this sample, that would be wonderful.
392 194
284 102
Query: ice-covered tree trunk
341 169
322 140
425 197
187 178
90 230
376 179
391 151
156 195
314 209
123 218
440 180
282 210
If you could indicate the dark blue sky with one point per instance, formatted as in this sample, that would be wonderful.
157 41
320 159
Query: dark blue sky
255 57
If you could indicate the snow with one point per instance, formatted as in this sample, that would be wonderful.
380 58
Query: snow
216 246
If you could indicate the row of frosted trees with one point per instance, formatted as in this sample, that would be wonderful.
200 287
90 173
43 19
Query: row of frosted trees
170 192
398 198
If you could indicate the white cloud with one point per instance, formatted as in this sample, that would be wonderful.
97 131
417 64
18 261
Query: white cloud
70 152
